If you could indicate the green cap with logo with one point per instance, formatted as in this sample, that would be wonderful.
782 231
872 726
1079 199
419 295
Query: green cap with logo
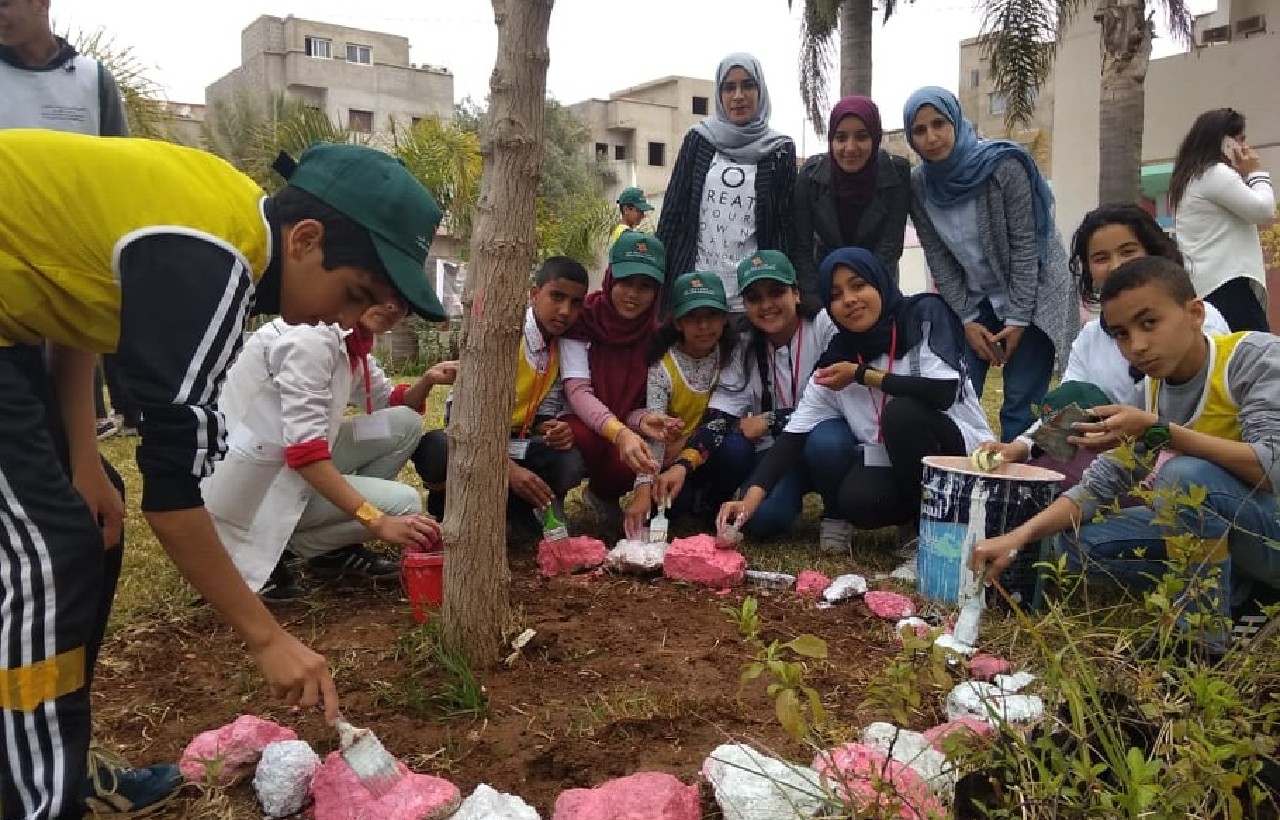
636 253
1082 394
376 191
765 265
634 196
698 290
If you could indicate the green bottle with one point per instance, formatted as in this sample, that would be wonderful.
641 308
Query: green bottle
553 529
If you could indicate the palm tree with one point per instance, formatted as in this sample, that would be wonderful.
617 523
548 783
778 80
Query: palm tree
818 28
143 103
1020 37
446 158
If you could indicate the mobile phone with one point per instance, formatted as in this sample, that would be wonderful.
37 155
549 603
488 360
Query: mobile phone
1230 149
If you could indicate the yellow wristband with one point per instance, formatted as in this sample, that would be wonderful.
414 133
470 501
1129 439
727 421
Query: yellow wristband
612 429
368 514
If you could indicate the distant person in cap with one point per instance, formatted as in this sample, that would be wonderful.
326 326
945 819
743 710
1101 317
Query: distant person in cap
632 206
158 253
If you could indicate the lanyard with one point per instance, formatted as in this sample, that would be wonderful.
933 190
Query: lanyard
795 372
539 382
368 389
884 398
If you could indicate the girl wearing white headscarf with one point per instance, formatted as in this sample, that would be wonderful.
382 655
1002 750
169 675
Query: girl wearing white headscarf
730 191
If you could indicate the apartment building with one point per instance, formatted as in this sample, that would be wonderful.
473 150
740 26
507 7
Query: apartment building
986 108
638 130
361 79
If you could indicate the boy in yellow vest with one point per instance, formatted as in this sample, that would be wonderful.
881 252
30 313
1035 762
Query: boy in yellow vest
542 462
1211 420
156 252
632 206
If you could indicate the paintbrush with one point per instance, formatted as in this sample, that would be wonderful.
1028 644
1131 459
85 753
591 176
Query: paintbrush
373 765
658 525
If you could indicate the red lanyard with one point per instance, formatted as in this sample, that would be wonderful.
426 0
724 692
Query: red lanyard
368 389
795 371
884 399
539 382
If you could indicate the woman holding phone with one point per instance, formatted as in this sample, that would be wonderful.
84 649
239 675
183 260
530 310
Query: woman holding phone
1220 196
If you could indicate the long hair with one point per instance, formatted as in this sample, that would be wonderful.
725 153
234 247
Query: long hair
1201 148
1149 233
668 335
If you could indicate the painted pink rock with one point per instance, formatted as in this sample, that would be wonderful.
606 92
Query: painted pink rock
889 605
697 561
986 667
232 750
919 626
965 725
641 796
571 555
811 583
876 785
339 795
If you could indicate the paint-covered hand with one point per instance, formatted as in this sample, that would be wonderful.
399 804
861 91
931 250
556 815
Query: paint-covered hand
1116 423
993 555
836 376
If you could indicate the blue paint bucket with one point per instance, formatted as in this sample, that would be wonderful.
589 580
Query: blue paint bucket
960 506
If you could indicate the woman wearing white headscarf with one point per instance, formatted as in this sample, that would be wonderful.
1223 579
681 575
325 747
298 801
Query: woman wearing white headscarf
730 191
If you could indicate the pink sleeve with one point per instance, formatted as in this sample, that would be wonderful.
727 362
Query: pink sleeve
585 405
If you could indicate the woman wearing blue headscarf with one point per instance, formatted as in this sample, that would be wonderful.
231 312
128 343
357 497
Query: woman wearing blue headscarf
730 191
909 398
984 216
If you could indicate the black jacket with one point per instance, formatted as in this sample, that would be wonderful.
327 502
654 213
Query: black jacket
817 226
681 205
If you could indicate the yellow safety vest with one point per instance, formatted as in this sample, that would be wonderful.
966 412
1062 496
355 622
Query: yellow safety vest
1217 415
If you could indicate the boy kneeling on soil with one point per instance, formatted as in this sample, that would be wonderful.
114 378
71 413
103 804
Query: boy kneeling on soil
1210 424
542 462
296 468
156 252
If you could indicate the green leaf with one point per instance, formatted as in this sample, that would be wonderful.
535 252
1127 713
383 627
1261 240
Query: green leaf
808 646
790 716
816 708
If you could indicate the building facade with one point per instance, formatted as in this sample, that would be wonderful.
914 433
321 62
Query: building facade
361 79
638 131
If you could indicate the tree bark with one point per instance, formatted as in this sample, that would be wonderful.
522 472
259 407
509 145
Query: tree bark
476 604
1125 35
855 47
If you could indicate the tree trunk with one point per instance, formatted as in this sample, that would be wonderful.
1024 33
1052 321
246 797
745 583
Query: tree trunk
855 47
476 606
1125 39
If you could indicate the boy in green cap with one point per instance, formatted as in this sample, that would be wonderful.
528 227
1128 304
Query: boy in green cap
155 252
632 206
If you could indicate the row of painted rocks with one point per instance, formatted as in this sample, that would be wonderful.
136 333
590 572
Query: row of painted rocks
892 772
696 560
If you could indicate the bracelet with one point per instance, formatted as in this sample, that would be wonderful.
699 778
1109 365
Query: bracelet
368 514
860 374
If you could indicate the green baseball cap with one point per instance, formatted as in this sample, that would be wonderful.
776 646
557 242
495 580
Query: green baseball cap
698 290
1082 394
638 253
765 265
377 192
634 196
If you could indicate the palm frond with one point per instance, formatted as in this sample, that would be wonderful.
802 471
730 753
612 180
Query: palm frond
1178 19
446 159
1019 38
818 28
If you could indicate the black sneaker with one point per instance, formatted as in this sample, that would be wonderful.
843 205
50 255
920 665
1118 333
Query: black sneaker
282 585
115 789
355 560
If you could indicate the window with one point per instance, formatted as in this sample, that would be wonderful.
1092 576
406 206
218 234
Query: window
975 78
360 121
658 153
318 47
414 122
359 54
700 105
997 103
602 150
620 152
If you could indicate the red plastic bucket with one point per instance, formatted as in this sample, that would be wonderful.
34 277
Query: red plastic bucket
422 575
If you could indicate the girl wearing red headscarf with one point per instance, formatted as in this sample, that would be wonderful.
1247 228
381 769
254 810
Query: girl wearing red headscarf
604 369
855 195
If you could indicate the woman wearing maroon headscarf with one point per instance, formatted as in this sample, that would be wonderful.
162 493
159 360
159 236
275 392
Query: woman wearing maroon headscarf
602 361
855 195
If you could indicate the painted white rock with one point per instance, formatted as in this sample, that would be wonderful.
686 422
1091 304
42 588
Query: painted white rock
913 749
844 587
1014 683
637 556
282 780
487 803
985 701
753 786
770 580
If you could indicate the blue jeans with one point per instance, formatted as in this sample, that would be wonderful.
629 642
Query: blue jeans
1026 375
715 482
1130 544
782 506
829 453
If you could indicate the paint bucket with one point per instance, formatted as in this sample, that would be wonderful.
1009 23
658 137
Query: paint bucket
422 576
960 506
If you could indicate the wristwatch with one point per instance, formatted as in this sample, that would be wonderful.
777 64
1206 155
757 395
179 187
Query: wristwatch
1156 437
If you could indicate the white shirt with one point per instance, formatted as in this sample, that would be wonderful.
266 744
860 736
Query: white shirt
727 223
860 406
1217 228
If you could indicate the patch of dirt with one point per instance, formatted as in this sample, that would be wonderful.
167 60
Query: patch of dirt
624 675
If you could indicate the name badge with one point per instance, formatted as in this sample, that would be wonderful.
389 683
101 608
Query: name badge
371 427
874 454
518 449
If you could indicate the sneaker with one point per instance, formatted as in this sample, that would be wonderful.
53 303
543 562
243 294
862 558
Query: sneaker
835 537
607 512
282 585
115 789
1248 620
105 428
355 560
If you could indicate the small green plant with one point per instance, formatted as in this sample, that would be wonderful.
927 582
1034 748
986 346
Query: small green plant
913 681
798 705
423 650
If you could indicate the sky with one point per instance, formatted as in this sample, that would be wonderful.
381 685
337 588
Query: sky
597 46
